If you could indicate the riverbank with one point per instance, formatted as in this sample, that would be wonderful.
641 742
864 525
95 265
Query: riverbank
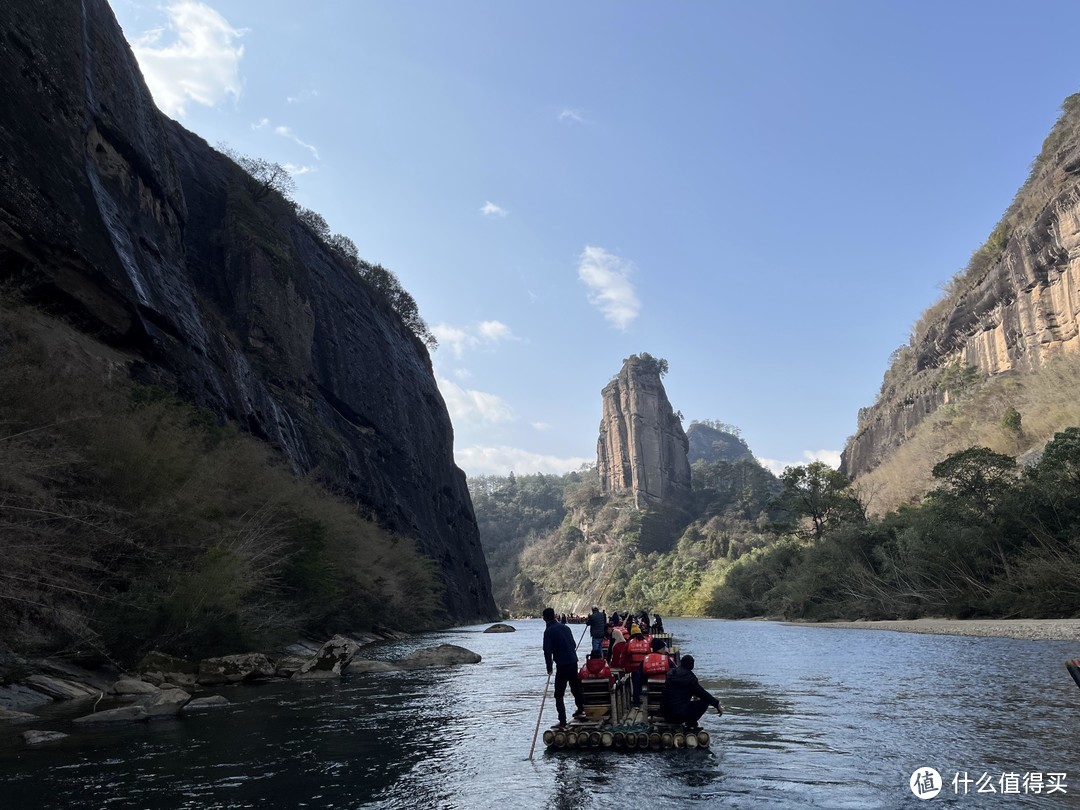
1029 629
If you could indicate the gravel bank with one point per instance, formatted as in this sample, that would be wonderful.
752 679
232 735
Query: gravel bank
1031 629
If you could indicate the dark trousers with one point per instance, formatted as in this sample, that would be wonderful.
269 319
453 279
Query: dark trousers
567 674
692 713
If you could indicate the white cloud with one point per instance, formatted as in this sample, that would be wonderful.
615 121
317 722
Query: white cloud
494 331
469 405
540 426
830 457
262 123
568 114
452 338
490 209
296 170
458 339
501 460
304 95
608 278
285 132
202 64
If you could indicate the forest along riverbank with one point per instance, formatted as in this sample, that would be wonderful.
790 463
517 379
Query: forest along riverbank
1027 629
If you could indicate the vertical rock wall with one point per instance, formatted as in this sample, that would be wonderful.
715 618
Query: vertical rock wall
642 447
1022 311
123 223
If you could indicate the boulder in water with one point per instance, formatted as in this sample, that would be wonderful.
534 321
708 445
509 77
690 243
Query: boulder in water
234 668
501 628
329 661
36 737
441 656
212 702
362 665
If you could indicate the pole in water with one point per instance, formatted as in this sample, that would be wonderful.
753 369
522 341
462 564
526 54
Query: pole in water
541 714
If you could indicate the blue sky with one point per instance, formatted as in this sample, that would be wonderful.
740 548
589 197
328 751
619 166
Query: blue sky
766 194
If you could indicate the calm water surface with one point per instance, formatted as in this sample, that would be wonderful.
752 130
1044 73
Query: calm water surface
815 717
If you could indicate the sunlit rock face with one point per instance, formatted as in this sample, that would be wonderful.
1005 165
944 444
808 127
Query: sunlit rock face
1022 311
122 222
642 447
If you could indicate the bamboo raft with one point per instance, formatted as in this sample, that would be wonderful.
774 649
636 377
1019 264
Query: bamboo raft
612 721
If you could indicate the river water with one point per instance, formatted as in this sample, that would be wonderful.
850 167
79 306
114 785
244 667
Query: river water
814 717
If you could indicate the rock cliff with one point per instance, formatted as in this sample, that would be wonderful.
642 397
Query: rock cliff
120 221
642 447
1016 307
709 443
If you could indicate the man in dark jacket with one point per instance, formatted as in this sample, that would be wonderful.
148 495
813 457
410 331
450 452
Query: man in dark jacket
597 622
560 650
677 704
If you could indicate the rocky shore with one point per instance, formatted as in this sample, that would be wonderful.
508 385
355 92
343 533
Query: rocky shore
166 686
1029 629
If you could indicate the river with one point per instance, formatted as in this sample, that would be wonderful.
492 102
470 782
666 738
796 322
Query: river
814 717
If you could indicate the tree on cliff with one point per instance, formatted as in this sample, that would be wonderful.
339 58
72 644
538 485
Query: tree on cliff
264 176
820 494
657 364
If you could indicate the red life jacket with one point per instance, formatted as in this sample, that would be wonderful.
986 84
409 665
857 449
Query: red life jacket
619 655
656 665
637 649
596 668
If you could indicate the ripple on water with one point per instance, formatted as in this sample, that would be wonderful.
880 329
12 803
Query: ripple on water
821 718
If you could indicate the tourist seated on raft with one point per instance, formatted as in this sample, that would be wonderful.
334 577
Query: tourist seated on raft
659 661
619 654
637 648
678 704
596 667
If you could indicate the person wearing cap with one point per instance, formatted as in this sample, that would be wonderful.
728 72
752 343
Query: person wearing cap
597 622
678 702
561 651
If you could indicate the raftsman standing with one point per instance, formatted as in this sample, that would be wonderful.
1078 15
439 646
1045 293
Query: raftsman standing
560 650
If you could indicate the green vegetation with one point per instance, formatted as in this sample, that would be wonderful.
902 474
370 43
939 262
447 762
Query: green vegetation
131 521
989 540
558 540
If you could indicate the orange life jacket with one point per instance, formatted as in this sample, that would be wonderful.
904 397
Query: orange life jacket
656 665
637 649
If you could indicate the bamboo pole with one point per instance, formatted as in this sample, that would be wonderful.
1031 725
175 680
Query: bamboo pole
539 716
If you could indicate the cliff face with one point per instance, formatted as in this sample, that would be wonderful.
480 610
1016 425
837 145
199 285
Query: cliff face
120 221
1019 310
710 444
642 447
